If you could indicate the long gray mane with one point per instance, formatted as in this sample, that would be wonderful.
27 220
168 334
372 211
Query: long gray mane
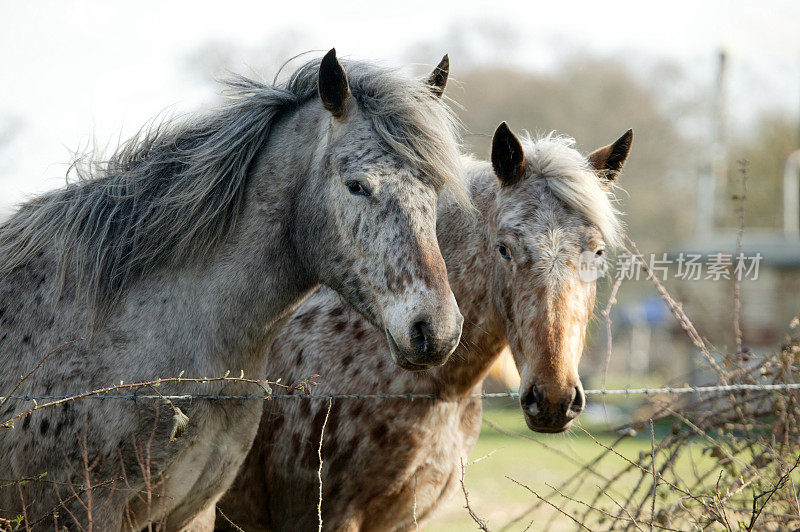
173 192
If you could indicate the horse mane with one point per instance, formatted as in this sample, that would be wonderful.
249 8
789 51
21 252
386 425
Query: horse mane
174 191
571 179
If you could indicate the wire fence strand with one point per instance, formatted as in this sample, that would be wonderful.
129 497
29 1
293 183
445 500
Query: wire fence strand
783 387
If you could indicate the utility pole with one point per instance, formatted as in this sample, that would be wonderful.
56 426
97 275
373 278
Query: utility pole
716 172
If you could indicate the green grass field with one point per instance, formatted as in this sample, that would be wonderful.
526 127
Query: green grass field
499 500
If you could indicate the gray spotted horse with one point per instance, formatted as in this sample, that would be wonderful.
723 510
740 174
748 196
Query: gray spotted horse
185 253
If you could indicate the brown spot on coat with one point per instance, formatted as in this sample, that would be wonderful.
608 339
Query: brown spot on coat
379 433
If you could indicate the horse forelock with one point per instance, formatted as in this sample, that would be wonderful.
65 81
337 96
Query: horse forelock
172 192
571 179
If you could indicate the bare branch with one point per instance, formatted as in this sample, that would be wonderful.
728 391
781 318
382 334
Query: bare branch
319 471
480 522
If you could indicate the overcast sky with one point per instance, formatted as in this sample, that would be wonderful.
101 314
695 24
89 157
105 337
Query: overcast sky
71 70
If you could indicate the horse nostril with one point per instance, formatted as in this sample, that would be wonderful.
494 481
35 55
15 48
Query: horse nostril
531 401
578 402
537 394
420 336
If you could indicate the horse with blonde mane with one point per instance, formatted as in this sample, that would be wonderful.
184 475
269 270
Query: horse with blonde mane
516 269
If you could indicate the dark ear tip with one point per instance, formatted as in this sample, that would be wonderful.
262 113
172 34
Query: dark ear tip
502 128
329 57
627 137
438 78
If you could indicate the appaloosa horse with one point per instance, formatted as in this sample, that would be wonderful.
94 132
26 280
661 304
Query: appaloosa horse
186 253
515 272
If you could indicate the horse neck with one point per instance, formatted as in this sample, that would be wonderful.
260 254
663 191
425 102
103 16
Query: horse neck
470 260
257 277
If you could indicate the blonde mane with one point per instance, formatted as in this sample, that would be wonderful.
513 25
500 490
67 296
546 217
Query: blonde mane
571 179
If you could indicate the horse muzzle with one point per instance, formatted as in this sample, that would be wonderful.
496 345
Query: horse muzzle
551 412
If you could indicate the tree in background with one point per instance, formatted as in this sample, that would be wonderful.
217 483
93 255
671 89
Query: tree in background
593 100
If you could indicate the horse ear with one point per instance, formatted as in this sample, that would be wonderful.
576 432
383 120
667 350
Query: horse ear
438 78
508 158
332 85
608 160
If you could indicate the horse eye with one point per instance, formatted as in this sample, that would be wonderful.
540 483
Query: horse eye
504 252
357 188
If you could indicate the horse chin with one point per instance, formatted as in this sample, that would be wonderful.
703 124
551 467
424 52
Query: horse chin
547 430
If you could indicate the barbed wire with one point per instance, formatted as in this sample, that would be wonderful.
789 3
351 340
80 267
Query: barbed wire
412 396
